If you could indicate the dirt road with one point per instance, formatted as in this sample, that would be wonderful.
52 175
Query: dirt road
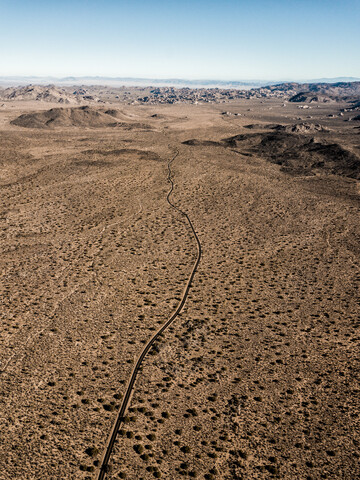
131 385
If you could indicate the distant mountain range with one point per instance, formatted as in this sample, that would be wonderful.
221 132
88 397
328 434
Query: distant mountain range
293 92
176 82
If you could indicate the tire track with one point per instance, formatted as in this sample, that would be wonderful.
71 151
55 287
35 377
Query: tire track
130 388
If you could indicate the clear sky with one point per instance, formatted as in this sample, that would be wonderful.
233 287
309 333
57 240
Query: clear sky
207 39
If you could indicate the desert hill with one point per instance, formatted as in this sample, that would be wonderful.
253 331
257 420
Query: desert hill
48 93
84 116
299 154
309 97
65 117
324 92
293 148
310 92
339 88
303 127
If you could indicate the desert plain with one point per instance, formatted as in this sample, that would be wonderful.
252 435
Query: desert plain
257 378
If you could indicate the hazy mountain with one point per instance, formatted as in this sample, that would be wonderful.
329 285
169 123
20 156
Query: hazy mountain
176 82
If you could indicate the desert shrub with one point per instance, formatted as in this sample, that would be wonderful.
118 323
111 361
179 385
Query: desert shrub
92 451
192 411
138 449
108 407
272 469
185 449
212 398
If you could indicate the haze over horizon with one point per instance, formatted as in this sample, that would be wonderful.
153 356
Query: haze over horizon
234 40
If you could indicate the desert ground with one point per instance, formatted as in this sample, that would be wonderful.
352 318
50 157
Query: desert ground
257 377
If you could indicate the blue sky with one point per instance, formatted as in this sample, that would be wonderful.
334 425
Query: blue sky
228 39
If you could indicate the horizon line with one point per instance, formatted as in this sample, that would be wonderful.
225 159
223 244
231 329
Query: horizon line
177 79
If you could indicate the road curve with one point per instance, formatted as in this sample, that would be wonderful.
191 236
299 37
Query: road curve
147 347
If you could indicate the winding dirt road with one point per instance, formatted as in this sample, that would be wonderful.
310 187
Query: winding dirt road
150 343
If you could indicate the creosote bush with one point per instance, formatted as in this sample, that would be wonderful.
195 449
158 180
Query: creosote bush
139 449
92 451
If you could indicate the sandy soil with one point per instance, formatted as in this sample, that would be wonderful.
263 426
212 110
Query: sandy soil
258 376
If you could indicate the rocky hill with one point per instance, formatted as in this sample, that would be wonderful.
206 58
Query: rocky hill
85 116
294 148
48 93
66 117
324 92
